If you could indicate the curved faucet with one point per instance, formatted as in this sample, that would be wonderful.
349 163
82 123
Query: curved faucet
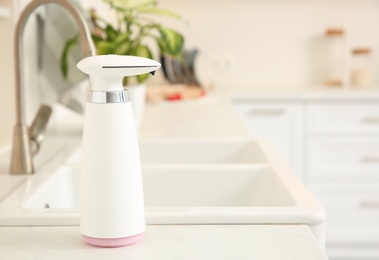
26 140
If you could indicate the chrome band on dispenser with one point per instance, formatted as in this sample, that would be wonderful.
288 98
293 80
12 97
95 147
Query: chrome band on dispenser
106 97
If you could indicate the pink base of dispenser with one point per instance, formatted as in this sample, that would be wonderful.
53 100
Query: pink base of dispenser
112 242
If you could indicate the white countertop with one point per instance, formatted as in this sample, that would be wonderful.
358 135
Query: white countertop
210 117
258 242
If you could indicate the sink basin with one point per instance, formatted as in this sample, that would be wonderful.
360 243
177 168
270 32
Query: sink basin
175 187
173 195
197 151
185 182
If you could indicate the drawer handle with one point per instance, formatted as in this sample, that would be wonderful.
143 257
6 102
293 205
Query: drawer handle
267 112
369 204
370 159
370 120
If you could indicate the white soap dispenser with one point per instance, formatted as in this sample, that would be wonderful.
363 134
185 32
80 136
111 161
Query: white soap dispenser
111 192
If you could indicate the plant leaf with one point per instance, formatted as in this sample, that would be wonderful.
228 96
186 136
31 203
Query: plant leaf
110 32
96 38
66 50
142 51
122 38
142 77
122 5
173 40
123 48
105 47
162 45
158 11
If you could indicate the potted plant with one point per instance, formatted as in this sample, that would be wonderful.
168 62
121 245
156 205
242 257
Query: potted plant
130 34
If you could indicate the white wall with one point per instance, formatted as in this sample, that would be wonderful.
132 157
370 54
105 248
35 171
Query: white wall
274 42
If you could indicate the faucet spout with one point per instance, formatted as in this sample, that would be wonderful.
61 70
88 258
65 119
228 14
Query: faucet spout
22 149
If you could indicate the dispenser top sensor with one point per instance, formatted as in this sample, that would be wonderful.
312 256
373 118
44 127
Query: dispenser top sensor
107 71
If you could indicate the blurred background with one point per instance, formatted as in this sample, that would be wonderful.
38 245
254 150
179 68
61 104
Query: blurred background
242 44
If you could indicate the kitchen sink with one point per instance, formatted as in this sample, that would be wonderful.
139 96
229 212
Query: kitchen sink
173 195
178 187
185 182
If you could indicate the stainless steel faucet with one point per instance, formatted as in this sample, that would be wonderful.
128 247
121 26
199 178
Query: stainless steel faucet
26 140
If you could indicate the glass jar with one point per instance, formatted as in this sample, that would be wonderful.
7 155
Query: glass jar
335 57
361 63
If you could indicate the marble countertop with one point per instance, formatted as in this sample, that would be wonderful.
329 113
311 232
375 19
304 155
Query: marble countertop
179 242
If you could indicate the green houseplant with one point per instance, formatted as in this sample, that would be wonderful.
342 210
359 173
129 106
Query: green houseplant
131 33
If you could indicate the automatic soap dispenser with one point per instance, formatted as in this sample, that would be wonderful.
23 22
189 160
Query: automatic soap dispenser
111 199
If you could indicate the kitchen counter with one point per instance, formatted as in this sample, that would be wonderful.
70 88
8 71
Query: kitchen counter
209 117
271 242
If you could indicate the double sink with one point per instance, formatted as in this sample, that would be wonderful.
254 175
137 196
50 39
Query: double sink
199 181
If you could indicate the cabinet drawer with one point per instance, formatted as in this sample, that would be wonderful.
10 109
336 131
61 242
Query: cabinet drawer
281 123
349 205
343 118
330 157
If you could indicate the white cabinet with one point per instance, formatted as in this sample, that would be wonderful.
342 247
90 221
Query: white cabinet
333 145
280 123
343 173
350 207
339 158
342 118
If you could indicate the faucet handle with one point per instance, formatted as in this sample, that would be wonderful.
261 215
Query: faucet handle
37 129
